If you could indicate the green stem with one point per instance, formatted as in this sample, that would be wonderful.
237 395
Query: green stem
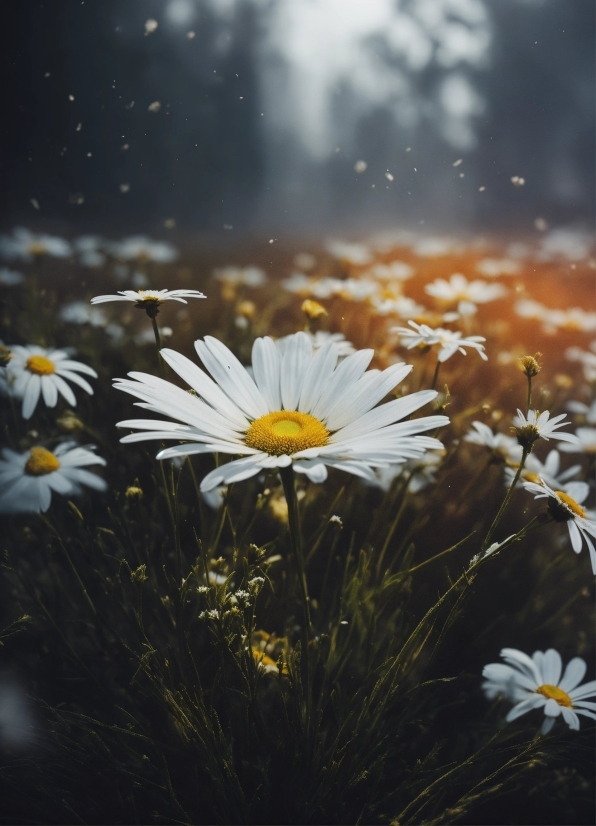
503 507
435 374
288 482
529 399
287 478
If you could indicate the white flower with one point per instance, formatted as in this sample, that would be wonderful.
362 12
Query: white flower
34 371
143 250
301 409
10 278
90 250
147 298
493 267
505 447
319 339
536 471
28 479
536 682
490 550
540 426
587 358
467 293
241 276
587 411
394 271
350 252
585 441
79 312
298 283
26 246
566 506
400 305
449 341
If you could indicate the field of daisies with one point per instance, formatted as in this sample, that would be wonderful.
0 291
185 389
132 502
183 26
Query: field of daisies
303 535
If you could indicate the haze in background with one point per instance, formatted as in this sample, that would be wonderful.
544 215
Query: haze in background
299 116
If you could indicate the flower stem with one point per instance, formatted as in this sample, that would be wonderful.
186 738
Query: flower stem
529 399
287 478
288 481
503 507
435 374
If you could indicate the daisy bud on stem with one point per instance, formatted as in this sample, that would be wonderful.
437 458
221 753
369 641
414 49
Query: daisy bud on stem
312 310
530 367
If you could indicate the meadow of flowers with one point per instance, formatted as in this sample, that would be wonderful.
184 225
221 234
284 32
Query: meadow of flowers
308 540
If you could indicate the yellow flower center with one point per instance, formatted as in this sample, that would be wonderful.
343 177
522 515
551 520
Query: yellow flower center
286 432
36 248
40 365
532 477
571 503
553 692
40 462
147 297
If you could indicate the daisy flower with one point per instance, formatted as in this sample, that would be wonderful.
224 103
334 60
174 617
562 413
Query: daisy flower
34 371
143 250
449 341
587 359
536 682
400 305
395 271
566 506
467 294
241 276
90 250
319 339
588 411
504 447
25 246
301 409
149 298
540 426
548 471
493 267
351 253
586 441
28 479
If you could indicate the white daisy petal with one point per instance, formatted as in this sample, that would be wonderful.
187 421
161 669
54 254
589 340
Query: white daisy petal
49 391
266 362
552 667
231 376
31 396
574 674
535 701
295 364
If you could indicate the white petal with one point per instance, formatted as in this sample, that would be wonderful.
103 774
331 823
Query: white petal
295 363
547 725
578 491
48 389
344 377
85 477
31 396
582 691
45 494
574 535
349 407
231 376
317 376
574 674
235 471
315 471
67 374
535 701
266 363
552 667
65 390
385 414
552 708
59 482
570 718
74 366
205 387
